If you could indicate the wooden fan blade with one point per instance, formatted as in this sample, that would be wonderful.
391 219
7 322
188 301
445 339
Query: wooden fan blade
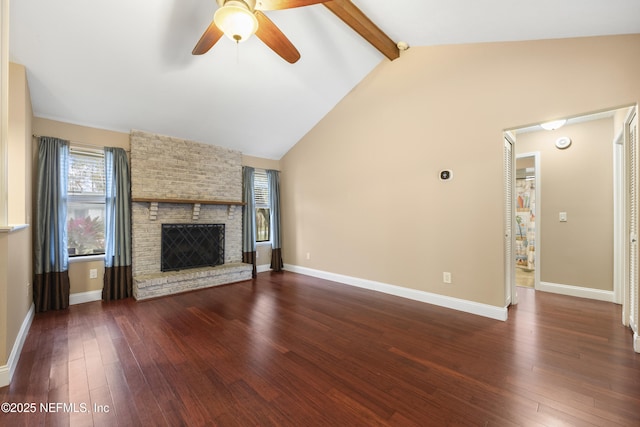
210 36
271 35
361 24
284 4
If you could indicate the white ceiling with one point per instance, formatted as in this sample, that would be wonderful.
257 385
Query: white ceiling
127 64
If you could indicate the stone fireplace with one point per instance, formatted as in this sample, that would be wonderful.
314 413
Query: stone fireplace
175 181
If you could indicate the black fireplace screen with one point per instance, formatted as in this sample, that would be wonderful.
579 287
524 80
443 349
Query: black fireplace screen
191 245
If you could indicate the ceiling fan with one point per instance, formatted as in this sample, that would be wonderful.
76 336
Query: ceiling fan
240 19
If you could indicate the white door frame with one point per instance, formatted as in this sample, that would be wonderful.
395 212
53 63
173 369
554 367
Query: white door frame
619 221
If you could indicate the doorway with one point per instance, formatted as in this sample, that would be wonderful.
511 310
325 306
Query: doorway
564 265
527 217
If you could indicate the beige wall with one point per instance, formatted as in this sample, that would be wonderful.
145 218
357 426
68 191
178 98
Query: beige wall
260 163
81 134
361 193
4 110
19 293
4 278
15 247
579 181
79 276
79 269
619 119
19 166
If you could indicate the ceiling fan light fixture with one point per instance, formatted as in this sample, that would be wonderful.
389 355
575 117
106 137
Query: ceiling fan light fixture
236 20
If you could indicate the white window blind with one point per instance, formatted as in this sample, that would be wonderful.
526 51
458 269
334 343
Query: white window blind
263 208
86 174
261 188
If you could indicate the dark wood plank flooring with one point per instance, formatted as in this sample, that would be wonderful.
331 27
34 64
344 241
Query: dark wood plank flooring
290 350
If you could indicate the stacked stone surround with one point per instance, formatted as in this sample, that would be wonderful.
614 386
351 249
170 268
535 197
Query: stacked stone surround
164 167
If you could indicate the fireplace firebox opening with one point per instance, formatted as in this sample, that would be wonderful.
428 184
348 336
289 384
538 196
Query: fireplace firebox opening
191 245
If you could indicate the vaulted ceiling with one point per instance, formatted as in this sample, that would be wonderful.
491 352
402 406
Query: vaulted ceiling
123 64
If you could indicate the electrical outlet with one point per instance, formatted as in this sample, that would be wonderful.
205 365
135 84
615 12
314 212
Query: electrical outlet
446 277
308 255
93 273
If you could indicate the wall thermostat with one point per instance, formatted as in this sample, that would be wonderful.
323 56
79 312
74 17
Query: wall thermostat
446 175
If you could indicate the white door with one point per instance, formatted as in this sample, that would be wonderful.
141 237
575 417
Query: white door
509 259
632 209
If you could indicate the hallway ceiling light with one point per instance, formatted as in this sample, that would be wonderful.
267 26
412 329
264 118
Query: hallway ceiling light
556 124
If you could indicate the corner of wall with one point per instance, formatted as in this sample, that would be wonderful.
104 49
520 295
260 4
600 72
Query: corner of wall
7 370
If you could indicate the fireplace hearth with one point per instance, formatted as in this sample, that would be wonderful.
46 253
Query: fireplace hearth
187 246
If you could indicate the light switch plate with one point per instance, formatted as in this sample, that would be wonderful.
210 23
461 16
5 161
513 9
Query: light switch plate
563 217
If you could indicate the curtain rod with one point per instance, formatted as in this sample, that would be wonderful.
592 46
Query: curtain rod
79 144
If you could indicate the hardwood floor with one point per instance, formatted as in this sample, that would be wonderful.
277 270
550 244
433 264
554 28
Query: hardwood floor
290 350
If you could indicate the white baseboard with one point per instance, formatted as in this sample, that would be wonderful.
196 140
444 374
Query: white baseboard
636 342
262 268
485 310
7 371
82 297
577 291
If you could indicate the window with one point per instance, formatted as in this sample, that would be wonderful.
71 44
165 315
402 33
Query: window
86 202
263 210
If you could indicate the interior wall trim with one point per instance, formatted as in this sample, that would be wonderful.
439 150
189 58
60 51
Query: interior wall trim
7 371
82 297
472 307
262 268
577 291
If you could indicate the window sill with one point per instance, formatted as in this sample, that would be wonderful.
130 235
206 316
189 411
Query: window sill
13 227
86 258
263 243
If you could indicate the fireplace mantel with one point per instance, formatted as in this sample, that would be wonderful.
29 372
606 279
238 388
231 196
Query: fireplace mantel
153 204
187 201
